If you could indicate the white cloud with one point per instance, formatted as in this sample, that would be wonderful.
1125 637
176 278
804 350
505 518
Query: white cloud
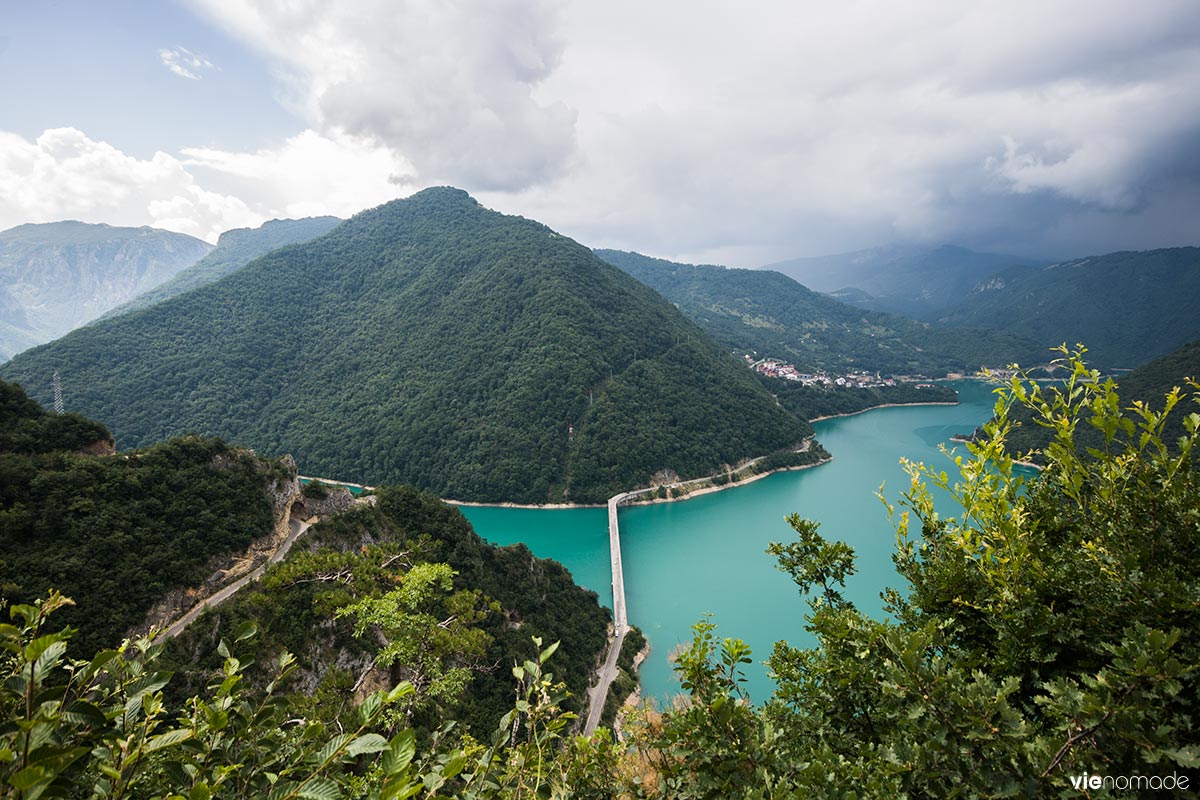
310 174
184 62
63 174
449 85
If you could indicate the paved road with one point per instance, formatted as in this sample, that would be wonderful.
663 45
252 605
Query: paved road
297 528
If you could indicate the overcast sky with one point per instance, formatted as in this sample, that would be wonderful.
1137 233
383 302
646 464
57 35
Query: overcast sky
736 133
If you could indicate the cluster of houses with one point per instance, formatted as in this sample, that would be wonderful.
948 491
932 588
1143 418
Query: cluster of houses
853 378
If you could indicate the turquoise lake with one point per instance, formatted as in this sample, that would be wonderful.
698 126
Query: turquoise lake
708 554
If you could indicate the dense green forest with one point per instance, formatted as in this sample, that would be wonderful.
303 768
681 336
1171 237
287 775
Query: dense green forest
27 429
117 531
1128 307
235 249
768 313
495 597
433 342
1046 630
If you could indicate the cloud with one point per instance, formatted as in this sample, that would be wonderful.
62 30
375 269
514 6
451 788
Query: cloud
184 62
451 86
753 133
63 174
310 174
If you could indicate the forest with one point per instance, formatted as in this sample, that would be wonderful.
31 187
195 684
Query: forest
117 531
1048 630
766 312
432 342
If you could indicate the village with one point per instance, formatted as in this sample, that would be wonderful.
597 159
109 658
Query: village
858 379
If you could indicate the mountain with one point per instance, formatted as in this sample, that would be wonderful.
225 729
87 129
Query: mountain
1127 307
116 532
769 313
57 276
139 538
235 249
914 281
434 342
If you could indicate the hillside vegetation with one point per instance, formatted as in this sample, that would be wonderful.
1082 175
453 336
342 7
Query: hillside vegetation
235 249
433 342
1047 631
1127 307
116 531
57 276
769 313
1149 384
445 610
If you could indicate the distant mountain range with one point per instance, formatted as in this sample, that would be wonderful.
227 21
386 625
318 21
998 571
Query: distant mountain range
434 342
764 311
918 282
1127 308
57 276
235 249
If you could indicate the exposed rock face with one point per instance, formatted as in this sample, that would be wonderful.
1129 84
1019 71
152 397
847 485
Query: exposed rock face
58 276
327 500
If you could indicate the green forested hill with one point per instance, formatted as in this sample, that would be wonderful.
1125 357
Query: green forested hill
1127 307
429 341
772 314
235 249
116 532
498 598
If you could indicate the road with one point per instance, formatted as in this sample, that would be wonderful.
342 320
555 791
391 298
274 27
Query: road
608 671
297 529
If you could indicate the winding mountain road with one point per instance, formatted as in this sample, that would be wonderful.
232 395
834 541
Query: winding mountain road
297 529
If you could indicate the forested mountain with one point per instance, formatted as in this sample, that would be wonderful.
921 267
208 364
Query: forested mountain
770 313
462 613
1127 307
116 532
235 249
917 282
57 276
433 342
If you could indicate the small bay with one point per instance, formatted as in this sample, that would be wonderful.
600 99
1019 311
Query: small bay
708 554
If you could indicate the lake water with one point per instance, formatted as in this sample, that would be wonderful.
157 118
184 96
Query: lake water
708 554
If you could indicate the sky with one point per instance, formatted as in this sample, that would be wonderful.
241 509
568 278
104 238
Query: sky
733 133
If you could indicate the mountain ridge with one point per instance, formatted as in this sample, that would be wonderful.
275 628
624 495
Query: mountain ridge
57 276
433 342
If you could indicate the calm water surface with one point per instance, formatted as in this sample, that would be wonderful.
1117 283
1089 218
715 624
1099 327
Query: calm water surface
708 554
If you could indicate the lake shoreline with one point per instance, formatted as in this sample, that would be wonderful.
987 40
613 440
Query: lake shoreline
708 489
884 405
696 493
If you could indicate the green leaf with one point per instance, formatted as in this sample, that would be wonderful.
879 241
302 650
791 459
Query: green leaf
319 788
367 743
400 752
168 739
